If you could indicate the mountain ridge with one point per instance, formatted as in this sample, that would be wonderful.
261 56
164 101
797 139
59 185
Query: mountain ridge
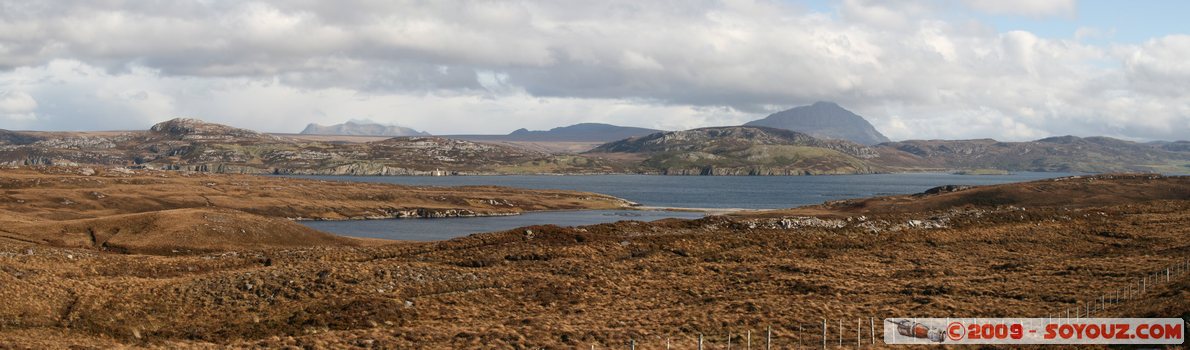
195 145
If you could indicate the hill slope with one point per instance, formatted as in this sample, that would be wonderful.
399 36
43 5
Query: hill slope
156 212
739 150
824 120
1065 193
582 132
190 144
176 231
1063 154
574 287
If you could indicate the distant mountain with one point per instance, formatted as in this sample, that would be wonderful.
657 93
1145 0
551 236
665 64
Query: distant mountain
1062 154
195 145
824 120
361 129
582 132
740 150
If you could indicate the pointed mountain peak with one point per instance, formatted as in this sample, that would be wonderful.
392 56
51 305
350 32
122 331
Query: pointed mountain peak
824 119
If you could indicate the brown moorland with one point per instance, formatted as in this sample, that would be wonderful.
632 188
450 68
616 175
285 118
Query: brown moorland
1067 192
553 287
171 212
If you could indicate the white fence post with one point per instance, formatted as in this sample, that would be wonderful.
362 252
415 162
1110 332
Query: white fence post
859 328
824 333
840 333
768 338
872 328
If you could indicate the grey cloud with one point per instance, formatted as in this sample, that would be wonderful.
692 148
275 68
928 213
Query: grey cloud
903 66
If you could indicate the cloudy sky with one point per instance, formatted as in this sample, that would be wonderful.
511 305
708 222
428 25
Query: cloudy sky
1005 69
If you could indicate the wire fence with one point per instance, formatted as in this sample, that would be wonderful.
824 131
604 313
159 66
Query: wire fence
866 332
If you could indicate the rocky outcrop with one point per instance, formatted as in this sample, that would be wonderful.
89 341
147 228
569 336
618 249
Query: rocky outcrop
194 129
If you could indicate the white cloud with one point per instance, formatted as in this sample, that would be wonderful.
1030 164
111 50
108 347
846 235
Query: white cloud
1159 66
1033 8
464 67
17 105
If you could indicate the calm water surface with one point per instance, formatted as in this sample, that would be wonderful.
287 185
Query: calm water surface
745 192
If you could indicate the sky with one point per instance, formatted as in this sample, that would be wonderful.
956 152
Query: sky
1011 70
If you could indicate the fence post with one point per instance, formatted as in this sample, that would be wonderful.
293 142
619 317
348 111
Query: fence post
840 333
632 344
801 335
768 338
824 333
699 341
1167 274
872 329
749 339
728 340
859 329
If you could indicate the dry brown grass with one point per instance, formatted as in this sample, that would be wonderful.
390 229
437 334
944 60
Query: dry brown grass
171 212
1069 192
604 284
